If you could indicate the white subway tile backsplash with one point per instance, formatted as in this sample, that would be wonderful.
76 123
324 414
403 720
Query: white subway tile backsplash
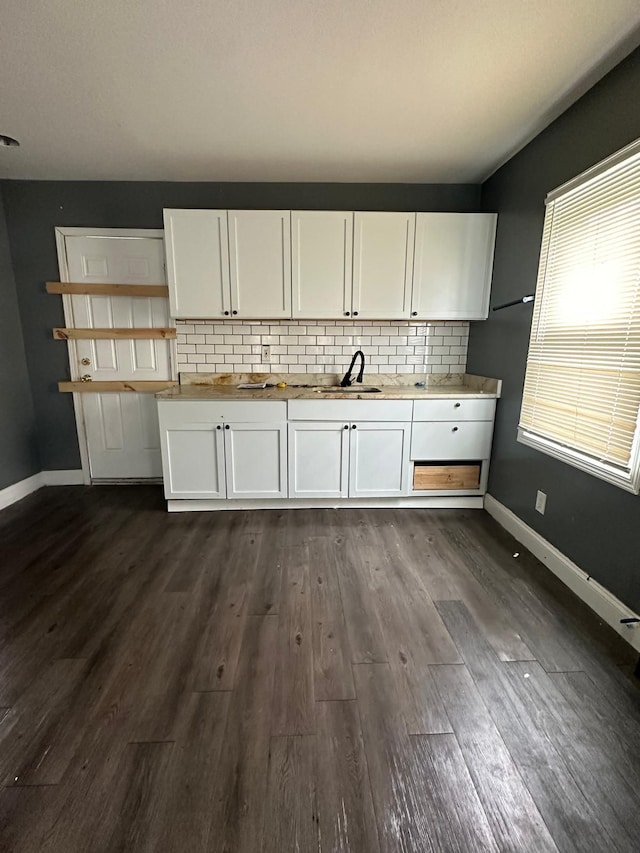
389 347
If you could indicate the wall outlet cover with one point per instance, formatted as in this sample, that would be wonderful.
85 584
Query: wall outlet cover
541 502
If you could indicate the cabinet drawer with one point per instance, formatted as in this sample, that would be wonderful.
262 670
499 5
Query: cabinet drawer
448 440
350 410
454 410
173 412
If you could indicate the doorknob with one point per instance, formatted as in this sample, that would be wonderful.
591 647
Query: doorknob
86 361
86 378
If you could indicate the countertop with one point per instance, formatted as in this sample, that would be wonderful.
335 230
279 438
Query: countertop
397 387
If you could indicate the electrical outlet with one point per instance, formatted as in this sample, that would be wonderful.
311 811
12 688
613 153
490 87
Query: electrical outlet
541 502
266 353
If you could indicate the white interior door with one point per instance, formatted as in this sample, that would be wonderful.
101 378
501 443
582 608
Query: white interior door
122 434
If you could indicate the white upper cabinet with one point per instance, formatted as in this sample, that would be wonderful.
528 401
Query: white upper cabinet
260 262
382 265
322 255
197 251
453 265
277 264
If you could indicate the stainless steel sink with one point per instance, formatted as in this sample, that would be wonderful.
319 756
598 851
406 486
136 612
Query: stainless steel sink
351 389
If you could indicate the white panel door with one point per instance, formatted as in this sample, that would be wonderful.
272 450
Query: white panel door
260 262
196 244
453 265
121 429
193 460
256 460
318 460
378 459
382 265
322 262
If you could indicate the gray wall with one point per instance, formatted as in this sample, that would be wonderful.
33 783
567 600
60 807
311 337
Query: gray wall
595 524
34 208
18 455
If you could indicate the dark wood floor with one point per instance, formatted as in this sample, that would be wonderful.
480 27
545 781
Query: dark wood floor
302 681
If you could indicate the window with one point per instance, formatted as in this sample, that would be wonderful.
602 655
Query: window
582 385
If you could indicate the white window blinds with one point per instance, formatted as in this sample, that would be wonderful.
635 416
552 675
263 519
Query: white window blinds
582 384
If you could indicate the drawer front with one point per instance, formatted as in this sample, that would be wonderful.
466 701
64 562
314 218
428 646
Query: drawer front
449 440
174 412
350 410
454 410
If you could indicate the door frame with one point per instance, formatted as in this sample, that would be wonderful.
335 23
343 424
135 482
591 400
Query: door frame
61 233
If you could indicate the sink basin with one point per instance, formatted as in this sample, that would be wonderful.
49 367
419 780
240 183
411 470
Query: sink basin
351 389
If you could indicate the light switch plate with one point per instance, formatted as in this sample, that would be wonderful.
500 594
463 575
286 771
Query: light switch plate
541 502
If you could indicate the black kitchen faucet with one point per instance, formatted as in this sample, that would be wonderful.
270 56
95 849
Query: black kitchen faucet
346 379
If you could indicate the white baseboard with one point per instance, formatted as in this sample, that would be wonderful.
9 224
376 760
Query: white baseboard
609 608
72 477
14 493
20 490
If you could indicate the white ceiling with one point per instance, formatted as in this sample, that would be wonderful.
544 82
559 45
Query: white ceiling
293 90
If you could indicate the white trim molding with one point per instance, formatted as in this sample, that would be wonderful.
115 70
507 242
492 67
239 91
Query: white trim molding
609 608
13 494
18 491
70 477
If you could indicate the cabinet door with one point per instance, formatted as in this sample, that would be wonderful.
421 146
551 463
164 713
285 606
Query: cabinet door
256 460
383 265
322 261
453 265
197 249
318 460
378 459
260 260
193 461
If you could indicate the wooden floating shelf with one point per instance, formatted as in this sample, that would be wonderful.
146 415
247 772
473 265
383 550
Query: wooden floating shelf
112 334
83 288
150 386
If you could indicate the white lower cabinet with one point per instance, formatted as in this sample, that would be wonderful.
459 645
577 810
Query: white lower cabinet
193 461
378 459
207 454
314 450
256 460
318 460
355 460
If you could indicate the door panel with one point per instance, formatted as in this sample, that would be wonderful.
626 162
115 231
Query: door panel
383 264
453 265
318 460
256 460
122 436
322 262
197 263
379 459
193 457
122 431
260 261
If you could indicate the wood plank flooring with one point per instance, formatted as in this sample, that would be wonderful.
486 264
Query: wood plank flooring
327 681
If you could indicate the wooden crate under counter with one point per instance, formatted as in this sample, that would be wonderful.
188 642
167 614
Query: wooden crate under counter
429 476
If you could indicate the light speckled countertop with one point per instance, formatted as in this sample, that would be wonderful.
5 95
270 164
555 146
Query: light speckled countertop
392 387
